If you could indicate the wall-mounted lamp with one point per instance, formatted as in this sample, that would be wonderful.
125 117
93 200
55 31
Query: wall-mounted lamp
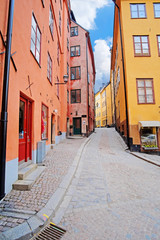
55 111
65 79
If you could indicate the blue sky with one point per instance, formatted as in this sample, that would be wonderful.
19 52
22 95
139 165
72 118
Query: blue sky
97 17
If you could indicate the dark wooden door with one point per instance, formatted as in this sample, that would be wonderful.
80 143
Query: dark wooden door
76 126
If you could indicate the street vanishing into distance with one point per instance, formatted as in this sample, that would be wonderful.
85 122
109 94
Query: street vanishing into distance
113 195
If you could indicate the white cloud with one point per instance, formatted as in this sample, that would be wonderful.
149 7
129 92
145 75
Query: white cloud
85 11
102 57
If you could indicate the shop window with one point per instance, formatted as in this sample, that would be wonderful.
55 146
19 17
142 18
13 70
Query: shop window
158 41
74 31
156 10
149 138
44 122
35 40
145 91
138 10
141 46
75 73
51 21
75 51
49 68
76 96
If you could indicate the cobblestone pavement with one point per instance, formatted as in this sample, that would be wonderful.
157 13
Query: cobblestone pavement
113 196
57 163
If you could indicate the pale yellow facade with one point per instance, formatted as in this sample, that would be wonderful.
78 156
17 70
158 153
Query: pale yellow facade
103 107
141 45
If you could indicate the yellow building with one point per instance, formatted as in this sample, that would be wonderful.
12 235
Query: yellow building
97 109
103 112
135 70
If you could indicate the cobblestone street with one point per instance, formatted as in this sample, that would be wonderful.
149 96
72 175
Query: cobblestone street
113 196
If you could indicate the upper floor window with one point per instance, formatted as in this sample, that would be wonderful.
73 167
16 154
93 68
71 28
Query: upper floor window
75 51
49 68
158 40
75 73
156 10
67 69
68 24
60 22
42 3
68 44
138 10
74 31
76 96
141 46
145 91
51 22
35 40
67 96
61 3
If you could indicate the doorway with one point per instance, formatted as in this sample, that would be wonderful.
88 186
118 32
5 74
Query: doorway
76 126
25 129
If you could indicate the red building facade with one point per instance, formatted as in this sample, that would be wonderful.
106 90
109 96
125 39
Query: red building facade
81 82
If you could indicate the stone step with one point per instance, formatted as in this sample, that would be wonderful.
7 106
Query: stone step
24 172
28 182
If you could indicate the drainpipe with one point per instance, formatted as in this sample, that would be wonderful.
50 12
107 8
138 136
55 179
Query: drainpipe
87 79
124 75
4 114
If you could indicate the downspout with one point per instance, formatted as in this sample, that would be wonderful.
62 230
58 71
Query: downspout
87 79
124 76
4 114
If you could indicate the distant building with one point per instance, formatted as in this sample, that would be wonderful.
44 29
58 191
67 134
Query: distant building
103 111
136 73
81 82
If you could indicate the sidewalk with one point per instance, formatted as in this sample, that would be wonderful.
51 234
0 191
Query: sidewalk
150 158
21 212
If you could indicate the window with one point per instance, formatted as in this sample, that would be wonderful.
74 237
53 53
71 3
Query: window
61 4
145 91
141 46
76 96
138 10
57 87
156 10
68 24
51 22
75 51
158 41
74 31
49 68
68 44
67 69
59 22
67 96
35 40
44 122
42 3
58 52
75 73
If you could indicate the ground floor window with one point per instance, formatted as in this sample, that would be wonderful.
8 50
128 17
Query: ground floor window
149 138
44 122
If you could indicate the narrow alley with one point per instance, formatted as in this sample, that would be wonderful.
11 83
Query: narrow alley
113 196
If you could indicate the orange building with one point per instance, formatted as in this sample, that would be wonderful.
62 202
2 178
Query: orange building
135 73
37 105
81 82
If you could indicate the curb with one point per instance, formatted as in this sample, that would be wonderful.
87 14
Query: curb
145 159
26 230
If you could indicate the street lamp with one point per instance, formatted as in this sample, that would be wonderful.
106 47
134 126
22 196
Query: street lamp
65 79
124 76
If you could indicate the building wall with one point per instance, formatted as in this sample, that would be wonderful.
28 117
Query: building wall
30 72
97 110
146 67
84 61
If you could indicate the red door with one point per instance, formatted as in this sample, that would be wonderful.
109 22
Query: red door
25 119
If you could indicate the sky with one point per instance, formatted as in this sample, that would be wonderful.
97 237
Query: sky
97 17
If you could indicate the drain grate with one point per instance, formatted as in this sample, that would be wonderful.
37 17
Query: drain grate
50 232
